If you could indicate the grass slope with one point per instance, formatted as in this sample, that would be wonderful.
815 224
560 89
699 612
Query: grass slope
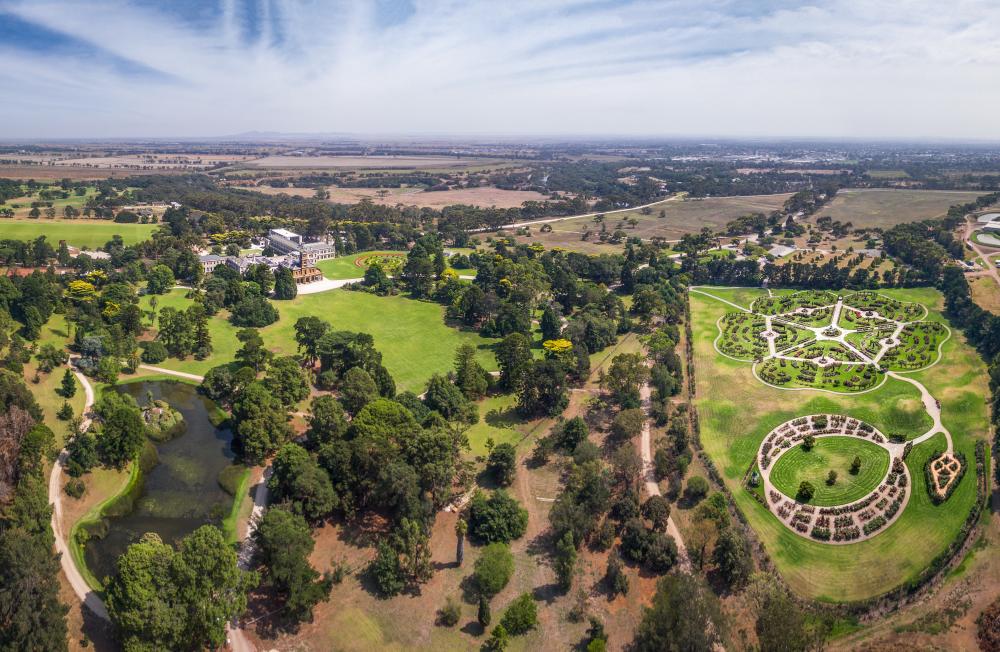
736 412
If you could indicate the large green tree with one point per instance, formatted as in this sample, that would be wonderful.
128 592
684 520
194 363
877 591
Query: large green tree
284 542
182 599
31 615
260 422
685 617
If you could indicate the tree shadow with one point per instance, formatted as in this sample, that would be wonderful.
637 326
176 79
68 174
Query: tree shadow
473 628
469 589
547 593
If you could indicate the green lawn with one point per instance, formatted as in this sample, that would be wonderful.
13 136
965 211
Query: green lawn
54 332
90 234
344 266
498 420
832 454
412 336
224 342
736 411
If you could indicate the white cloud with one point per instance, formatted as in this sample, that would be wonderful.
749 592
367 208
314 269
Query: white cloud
843 68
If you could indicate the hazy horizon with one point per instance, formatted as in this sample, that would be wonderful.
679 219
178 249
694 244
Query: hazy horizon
831 70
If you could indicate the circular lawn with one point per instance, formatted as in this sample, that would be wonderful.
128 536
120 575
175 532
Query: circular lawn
831 453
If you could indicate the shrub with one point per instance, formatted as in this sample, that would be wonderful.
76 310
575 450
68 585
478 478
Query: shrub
697 488
521 616
856 465
153 352
604 537
498 640
831 478
449 613
806 492
497 518
75 488
615 575
385 569
808 442
493 569
502 464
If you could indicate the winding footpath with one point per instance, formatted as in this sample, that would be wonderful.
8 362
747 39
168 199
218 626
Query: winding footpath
236 636
652 487
87 596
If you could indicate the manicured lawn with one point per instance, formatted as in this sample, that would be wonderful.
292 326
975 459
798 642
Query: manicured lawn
224 342
831 454
736 411
345 266
54 332
411 335
90 234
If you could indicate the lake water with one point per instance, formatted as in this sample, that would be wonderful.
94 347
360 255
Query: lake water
181 492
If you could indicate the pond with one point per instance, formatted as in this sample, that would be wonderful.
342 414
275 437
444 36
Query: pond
177 495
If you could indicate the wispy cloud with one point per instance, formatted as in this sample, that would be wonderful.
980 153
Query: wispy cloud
863 68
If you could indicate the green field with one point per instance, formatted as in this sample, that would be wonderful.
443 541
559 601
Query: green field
736 412
412 336
84 234
344 267
831 454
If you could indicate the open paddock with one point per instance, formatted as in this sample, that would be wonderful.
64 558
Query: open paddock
485 197
884 207
81 233
681 216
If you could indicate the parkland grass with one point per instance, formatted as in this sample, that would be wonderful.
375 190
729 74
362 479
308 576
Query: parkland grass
412 335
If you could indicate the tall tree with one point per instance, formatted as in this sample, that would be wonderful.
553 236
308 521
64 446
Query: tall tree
685 616
31 615
284 542
253 353
284 284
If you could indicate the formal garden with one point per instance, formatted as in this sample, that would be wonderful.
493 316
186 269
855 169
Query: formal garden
860 478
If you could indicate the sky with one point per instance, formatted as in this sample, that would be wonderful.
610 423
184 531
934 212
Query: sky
866 69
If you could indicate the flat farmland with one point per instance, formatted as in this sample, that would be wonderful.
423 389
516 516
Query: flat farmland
370 162
156 161
884 208
681 217
74 172
485 197
89 234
